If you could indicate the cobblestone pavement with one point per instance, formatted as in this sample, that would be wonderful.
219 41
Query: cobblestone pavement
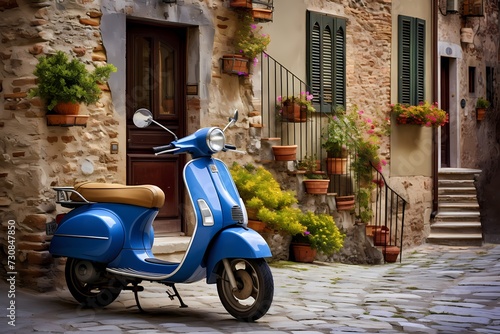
435 289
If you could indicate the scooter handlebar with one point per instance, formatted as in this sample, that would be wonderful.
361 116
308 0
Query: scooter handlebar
158 149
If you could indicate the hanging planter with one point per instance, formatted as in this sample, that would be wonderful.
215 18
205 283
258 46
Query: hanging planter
303 252
294 112
285 153
241 4
235 64
262 14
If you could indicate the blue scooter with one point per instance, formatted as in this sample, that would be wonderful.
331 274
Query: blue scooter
108 235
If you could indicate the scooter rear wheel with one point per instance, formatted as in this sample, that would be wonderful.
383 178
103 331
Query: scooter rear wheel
90 285
255 291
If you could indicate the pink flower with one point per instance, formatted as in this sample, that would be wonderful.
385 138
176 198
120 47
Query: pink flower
307 232
279 98
253 26
361 112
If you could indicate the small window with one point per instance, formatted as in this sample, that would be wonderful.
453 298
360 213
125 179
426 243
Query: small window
472 80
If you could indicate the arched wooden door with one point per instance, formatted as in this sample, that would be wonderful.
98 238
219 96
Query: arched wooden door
156 81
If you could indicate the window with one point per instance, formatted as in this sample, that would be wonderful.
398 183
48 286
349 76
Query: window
326 60
472 79
490 88
411 62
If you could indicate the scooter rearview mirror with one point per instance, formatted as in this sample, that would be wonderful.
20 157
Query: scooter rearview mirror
232 120
142 118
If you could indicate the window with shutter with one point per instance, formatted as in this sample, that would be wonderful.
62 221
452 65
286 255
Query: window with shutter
326 60
411 62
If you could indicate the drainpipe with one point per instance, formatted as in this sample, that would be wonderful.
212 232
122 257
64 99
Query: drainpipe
434 65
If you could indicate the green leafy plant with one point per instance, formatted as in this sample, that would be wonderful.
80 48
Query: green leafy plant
322 233
339 135
482 103
310 164
423 114
249 41
64 80
365 211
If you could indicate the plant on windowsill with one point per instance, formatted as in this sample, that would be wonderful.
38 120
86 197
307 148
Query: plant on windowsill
423 114
481 106
295 108
63 84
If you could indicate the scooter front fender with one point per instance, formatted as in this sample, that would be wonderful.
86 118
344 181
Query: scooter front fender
235 242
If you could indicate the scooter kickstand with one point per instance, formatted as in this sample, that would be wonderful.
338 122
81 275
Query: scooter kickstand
135 289
175 294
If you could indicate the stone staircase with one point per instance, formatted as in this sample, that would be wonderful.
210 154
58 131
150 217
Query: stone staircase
170 247
458 221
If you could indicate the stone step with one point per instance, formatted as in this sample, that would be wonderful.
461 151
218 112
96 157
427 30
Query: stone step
170 247
458 198
456 190
459 207
458 173
456 239
456 183
451 216
456 227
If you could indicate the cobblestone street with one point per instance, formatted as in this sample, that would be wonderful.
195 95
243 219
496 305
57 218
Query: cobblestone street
435 289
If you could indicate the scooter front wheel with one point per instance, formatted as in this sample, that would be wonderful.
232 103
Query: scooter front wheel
89 284
255 289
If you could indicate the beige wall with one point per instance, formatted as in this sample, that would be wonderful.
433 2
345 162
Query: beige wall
411 146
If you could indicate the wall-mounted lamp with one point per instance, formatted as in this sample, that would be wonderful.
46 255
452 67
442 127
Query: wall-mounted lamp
473 8
452 6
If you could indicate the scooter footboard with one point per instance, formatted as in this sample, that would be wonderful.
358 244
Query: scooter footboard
234 243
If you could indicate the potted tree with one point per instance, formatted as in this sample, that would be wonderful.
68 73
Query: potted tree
63 84
481 106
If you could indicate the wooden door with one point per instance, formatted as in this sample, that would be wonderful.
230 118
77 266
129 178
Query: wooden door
445 105
156 81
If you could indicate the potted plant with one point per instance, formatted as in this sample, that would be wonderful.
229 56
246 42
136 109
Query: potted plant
295 108
316 182
338 138
261 9
423 114
63 84
322 235
249 41
481 105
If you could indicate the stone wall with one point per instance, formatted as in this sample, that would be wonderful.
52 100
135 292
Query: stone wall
33 156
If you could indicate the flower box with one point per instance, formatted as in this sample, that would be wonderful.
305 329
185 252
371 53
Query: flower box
235 64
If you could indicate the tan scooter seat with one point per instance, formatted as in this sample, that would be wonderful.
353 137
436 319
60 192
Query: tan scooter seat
148 196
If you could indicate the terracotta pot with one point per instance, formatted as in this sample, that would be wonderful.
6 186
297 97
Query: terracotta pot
262 14
316 187
303 252
391 253
293 112
370 229
344 203
235 64
67 108
336 165
381 236
480 113
258 226
285 153
241 3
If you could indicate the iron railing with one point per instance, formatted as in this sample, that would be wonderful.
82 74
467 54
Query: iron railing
277 81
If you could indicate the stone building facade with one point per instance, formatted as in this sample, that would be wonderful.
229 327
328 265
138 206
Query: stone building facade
35 157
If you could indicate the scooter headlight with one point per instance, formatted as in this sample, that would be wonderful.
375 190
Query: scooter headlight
216 140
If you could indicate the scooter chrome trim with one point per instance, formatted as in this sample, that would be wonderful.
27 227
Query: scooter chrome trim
82 236
129 272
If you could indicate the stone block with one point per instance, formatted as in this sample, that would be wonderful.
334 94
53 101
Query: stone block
35 246
36 222
41 258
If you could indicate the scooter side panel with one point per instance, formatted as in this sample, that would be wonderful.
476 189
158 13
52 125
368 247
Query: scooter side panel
94 234
233 243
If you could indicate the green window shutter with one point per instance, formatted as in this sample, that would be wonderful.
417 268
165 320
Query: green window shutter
326 60
411 60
